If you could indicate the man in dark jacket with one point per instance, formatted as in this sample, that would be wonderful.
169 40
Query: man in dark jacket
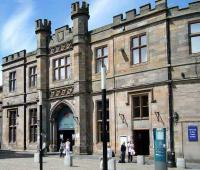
123 152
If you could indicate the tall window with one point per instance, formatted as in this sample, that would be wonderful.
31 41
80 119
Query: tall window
12 125
100 121
195 37
62 68
101 58
33 125
12 81
140 106
32 77
139 49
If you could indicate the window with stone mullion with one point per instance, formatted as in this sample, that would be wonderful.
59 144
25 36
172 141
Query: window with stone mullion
101 58
139 49
32 77
33 125
12 81
12 126
62 68
194 37
100 121
140 106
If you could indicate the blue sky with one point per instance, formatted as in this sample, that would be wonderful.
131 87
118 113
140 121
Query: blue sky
17 18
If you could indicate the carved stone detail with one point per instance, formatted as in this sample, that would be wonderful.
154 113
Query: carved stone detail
65 91
61 47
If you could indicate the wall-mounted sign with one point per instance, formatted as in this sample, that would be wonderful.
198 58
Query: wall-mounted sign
192 133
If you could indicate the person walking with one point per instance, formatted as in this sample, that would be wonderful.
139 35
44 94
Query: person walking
131 151
62 148
123 152
67 147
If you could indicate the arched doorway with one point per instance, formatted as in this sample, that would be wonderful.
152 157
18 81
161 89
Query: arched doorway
62 126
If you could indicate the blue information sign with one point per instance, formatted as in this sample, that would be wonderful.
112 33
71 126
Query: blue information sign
192 133
159 144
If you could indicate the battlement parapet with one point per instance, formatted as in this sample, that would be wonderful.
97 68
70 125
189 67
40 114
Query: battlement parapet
43 25
193 7
161 6
15 56
77 9
144 10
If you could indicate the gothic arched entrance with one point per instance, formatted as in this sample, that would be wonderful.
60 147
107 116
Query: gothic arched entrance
62 126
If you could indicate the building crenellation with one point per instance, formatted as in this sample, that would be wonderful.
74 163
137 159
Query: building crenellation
63 73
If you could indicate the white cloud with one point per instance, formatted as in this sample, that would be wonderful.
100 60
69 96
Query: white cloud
17 33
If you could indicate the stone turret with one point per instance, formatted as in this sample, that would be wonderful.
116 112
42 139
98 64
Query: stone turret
43 33
80 16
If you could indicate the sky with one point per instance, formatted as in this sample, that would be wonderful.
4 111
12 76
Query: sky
17 18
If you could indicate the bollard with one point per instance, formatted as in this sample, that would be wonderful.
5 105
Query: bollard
180 163
111 164
68 160
36 157
140 160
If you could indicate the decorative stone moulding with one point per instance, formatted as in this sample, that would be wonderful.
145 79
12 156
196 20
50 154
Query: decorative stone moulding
62 92
61 47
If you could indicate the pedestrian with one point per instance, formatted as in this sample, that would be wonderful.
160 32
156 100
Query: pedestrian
44 148
67 147
123 152
62 148
131 151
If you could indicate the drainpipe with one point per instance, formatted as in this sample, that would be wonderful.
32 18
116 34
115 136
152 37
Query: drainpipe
25 102
171 154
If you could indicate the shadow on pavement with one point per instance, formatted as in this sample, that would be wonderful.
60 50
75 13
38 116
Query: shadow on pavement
6 154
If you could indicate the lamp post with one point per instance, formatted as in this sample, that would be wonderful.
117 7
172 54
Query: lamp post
41 166
40 131
103 88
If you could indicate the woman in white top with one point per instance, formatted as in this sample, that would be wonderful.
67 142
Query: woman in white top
67 147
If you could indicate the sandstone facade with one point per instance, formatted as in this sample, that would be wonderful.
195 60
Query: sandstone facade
168 53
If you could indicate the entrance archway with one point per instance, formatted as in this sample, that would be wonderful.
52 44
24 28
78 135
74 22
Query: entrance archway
62 126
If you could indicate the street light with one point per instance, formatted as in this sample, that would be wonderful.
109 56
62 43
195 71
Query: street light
40 131
103 88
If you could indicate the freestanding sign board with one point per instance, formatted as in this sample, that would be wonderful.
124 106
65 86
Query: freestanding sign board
160 153
193 133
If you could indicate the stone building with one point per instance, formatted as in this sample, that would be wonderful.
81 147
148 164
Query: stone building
0 115
153 68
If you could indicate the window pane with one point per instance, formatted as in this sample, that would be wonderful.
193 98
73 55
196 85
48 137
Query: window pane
62 61
68 72
136 59
144 100
144 54
105 51
136 101
195 44
56 74
195 28
106 63
145 112
56 63
68 60
137 112
98 66
99 53
144 40
135 42
62 73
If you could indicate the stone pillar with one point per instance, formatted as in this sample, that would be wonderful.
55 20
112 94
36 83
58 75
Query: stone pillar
43 32
80 16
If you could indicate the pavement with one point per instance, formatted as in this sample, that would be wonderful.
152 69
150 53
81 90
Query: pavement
24 161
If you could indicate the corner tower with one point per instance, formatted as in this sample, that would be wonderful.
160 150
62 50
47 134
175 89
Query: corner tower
43 33
80 16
